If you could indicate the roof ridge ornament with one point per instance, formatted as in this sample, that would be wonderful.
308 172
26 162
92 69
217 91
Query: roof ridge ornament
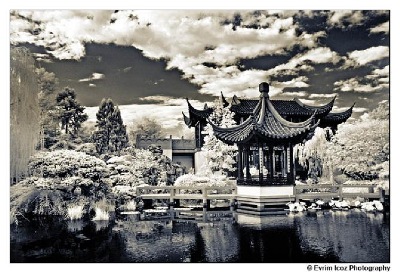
264 89
235 100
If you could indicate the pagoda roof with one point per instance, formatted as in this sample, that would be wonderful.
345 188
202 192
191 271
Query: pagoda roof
225 103
285 107
195 115
267 125
336 118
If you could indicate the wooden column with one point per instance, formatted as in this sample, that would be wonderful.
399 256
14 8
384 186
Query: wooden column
240 162
271 161
171 203
292 174
260 162
246 159
206 204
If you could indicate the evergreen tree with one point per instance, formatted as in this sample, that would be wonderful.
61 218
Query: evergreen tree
70 113
110 135
118 137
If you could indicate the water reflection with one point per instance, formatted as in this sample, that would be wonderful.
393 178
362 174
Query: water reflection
321 236
354 236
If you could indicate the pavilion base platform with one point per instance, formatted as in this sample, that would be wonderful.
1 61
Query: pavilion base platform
262 222
263 200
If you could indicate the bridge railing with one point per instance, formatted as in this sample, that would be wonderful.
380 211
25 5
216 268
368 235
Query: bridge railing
174 194
325 191
185 192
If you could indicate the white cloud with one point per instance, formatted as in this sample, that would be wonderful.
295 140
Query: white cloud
384 27
309 102
295 94
379 75
359 109
93 77
92 85
299 62
381 72
165 100
362 57
336 109
127 69
339 17
186 38
354 85
317 96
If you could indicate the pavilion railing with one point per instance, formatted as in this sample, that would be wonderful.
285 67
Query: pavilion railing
265 181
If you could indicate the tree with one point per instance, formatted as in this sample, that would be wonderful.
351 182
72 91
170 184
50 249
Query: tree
110 135
118 137
48 84
219 156
360 150
70 113
147 128
312 154
24 111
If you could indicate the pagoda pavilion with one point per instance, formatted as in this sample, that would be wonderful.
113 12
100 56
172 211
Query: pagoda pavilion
267 132
291 110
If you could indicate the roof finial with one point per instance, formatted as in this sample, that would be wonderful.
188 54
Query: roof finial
264 88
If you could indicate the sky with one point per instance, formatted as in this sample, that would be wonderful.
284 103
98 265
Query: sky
149 61
177 56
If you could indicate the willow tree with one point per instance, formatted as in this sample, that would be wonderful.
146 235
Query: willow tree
24 111
312 155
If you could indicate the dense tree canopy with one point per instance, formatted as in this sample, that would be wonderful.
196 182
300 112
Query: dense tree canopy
361 149
146 127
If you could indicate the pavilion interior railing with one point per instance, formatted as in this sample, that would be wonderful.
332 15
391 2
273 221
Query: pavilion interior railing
265 181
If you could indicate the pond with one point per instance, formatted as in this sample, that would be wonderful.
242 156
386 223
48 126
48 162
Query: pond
308 237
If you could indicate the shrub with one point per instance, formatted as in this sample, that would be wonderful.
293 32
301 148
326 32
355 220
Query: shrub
67 163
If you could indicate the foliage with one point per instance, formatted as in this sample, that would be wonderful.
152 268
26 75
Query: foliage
110 135
219 156
48 84
24 111
145 127
193 180
360 150
69 112
60 179
88 148
67 163
137 166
